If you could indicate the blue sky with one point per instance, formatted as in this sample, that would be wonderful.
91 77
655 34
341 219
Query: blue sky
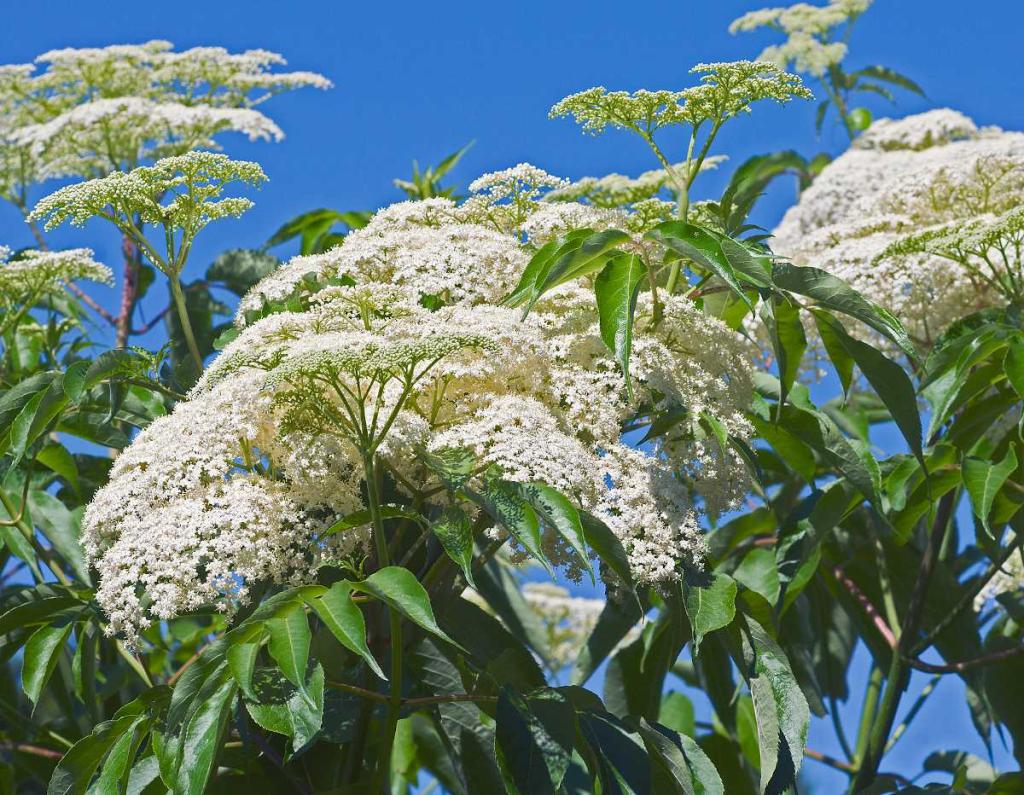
418 80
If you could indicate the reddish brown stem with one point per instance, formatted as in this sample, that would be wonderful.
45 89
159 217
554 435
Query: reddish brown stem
35 750
880 624
129 291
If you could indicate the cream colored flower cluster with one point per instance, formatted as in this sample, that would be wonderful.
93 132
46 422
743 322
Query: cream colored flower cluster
87 112
398 348
35 273
567 621
899 179
810 44
1009 580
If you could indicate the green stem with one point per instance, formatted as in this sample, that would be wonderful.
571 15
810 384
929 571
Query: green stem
382 775
867 712
899 671
186 325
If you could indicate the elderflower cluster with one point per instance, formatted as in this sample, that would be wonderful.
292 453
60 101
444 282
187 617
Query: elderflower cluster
567 621
180 192
1009 579
808 29
617 190
87 112
726 89
907 216
35 273
396 342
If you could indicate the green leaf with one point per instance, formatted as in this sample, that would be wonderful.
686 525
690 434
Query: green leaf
201 738
241 656
453 466
581 254
710 607
703 769
888 75
614 623
670 773
345 620
841 360
75 380
607 546
62 529
455 532
617 288
788 340
57 458
758 572
280 707
622 764
289 642
560 515
677 713
363 517
399 589
889 380
534 740
538 263
833 293
503 501
983 479
702 247
76 768
781 709
314 226
240 269
42 652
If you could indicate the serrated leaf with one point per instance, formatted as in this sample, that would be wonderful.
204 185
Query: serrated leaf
289 642
399 589
455 532
703 248
42 652
616 288
758 572
534 740
983 479
503 502
833 293
890 382
710 607
561 516
76 768
345 620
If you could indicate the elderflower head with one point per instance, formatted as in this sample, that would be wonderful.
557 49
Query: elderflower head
88 138
91 111
362 364
809 46
35 273
567 621
1009 579
181 192
928 176
725 90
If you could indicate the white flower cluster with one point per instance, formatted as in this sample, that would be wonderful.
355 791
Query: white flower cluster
91 111
809 46
92 138
365 363
900 178
1009 579
35 273
567 621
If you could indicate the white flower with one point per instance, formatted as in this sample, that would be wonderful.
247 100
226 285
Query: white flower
902 177
37 272
363 365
